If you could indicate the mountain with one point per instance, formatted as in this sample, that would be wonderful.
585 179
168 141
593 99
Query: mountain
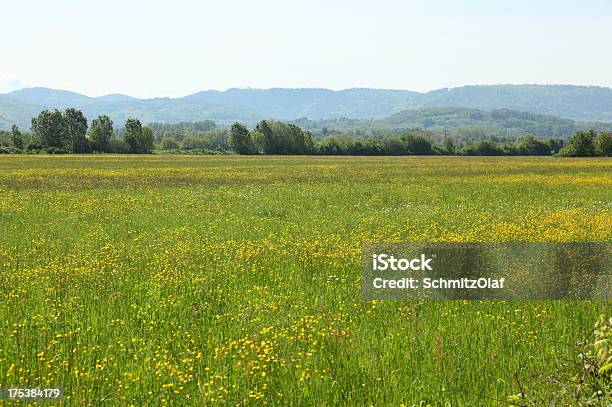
572 102
249 105
15 112
20 106
460 120
49 97
288 104
498 121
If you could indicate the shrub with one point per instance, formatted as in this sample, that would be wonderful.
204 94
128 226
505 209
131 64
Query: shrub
33 146
194 143
580 145
603 145
592 384
118 146
169 144
417 144
332 145
56 150
483 148
9 150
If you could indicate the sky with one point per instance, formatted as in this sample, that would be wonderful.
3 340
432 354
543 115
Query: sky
173 48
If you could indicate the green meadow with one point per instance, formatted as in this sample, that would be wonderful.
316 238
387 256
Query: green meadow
197 280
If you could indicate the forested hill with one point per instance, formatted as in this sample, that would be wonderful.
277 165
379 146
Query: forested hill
573 102
251 105
585 103
20 106
460 121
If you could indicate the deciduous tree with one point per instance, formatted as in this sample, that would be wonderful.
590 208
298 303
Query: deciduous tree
16 137
603 145
75 130
101 133
140 139
241 140
48 127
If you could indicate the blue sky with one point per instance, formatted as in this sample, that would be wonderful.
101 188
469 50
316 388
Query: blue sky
173 48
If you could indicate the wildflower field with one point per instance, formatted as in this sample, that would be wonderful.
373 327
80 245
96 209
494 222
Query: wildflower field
194 280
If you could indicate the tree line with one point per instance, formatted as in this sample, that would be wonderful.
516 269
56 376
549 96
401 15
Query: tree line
67 131
270 137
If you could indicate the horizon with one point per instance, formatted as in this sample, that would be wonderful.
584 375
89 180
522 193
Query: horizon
303 88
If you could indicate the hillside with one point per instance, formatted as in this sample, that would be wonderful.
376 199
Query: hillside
573 102
250 105
15 112
20 106
288 104
586 103
498 122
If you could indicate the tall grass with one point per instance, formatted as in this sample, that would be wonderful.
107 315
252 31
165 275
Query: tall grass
196 280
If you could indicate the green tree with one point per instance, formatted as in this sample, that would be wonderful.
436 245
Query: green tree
48 127
332 145
300 142
147 140
75 130
484 147
529 145
118 145
602 145
264 137
449 144
133 133
417 144
139 138
218 139
101 133
580 145
367 146
169 144
194 143
394 145
16 137
241 140
555 145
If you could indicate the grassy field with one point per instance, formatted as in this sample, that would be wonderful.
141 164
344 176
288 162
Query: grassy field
192 280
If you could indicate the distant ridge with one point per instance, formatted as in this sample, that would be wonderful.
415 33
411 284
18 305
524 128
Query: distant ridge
587 103
460 120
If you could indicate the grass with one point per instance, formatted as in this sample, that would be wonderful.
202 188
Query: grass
192 280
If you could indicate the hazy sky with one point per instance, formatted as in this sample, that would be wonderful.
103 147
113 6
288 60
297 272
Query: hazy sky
172 48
